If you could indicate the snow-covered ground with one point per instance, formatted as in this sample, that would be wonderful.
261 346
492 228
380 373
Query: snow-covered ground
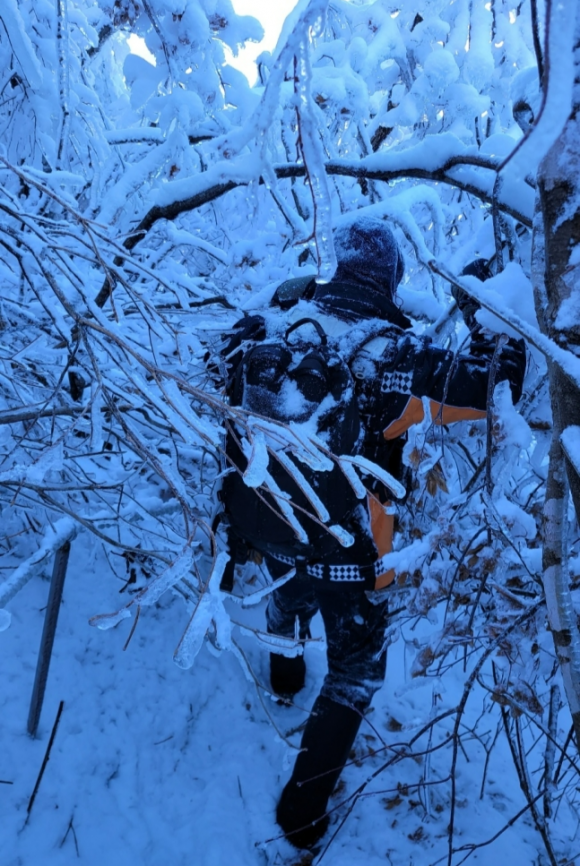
153 765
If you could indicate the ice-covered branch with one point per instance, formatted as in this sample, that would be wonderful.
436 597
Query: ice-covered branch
564 359
64 530
21 44
450 168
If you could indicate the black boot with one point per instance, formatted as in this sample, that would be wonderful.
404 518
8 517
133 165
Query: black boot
287 675
327 741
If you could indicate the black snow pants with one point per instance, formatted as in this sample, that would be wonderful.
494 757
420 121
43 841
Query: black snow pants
354 629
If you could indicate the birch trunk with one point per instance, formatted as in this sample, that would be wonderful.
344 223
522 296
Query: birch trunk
63 85
561 613
556 259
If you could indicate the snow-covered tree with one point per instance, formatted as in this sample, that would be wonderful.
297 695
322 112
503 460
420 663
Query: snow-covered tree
147 200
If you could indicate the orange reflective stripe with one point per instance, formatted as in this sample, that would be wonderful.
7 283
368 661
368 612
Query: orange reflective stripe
456 413
382 527
413 414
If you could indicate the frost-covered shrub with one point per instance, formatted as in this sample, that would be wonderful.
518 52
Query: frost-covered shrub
148 201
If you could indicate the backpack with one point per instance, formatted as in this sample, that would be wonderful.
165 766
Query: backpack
304 381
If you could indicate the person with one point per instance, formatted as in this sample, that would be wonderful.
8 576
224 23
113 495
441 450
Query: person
393 373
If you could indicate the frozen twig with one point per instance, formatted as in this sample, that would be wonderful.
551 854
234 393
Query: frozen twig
550 751
44 761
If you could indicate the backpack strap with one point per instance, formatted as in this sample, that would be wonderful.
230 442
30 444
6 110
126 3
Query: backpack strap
290 292
378 329
307 321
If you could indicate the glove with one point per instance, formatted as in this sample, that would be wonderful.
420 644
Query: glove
512 360
467 305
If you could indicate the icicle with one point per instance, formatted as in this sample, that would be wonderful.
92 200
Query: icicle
304 486
258 459
283 503
370 468
314 160
352 477
256 597
209 607
106 621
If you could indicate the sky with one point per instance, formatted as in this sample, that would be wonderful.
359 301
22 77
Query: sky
271 15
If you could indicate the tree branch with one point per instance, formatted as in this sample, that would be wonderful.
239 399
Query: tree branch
172 210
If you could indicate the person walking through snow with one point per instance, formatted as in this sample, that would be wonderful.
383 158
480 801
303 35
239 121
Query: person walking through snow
392 374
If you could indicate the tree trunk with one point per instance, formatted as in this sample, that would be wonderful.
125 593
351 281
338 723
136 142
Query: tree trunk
559 195
556 259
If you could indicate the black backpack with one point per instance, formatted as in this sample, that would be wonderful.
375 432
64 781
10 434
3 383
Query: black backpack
300 380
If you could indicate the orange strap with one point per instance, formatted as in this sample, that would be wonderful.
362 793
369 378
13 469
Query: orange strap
382 526
413 414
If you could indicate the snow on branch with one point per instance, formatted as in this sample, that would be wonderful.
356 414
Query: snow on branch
132 135
305 18
566 360
64 530
448 165
557 95
571 444
21 44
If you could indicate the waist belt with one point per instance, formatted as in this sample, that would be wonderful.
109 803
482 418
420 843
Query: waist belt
344 573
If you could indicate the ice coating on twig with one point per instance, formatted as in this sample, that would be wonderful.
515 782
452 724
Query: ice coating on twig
314 160
351 476
256 597
105 621
370 468
304 485
284 504
258 459
64 530
209 607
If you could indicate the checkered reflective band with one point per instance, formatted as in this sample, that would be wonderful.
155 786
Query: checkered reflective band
288 560
342 573
380 565
397 382
339 573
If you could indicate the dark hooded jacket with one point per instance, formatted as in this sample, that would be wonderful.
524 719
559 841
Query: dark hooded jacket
391 383
370 268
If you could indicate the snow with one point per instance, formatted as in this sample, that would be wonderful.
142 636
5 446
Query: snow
557 104
258 459
242 170
513 323
154 764
511 288
518 523
571 441
21 44
431 154
569 312
440 69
